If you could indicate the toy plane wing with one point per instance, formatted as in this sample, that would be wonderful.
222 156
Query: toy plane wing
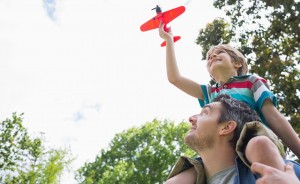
165 17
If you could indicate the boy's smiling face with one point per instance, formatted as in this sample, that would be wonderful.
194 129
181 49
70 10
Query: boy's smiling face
220 62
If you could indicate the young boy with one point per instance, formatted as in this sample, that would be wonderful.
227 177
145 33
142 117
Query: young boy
228 68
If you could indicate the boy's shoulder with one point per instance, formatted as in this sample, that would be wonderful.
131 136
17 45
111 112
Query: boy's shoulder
252 78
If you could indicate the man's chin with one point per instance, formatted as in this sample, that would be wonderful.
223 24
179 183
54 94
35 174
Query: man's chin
189 132
188 139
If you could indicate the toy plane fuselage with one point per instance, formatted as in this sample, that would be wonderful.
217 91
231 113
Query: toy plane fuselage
164 17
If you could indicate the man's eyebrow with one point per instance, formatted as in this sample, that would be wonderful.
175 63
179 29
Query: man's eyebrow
207 106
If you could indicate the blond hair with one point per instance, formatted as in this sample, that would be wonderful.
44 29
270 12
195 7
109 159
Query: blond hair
235 55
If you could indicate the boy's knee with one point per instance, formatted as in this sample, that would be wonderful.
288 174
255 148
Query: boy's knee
262 142
262 149
260 146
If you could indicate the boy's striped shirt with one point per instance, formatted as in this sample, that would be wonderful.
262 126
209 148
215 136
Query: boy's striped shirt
251 89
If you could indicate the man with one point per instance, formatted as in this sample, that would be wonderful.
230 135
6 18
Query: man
213 135
271 175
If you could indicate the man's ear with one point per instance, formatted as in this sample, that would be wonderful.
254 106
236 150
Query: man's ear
227 127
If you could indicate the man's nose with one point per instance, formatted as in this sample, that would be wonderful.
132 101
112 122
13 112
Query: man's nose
193 119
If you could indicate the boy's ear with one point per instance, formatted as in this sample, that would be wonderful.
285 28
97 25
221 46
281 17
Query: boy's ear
227 127
237 65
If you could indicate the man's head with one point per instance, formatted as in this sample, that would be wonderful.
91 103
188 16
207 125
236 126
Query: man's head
236 57
222 119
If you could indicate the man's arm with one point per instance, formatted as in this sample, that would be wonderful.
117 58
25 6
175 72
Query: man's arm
281 127
271 175
186 177
188 86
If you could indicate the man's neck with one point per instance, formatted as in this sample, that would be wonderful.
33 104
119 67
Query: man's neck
217 160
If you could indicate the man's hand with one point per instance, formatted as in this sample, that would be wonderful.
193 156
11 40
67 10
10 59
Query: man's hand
271 175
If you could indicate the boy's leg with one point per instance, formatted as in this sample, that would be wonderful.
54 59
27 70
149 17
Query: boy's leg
261 149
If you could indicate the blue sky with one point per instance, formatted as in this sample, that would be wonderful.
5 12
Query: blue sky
82 71
50 6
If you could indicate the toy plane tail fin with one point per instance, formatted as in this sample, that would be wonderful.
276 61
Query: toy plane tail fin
176 38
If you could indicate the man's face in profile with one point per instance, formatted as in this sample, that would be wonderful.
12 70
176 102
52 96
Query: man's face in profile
204 127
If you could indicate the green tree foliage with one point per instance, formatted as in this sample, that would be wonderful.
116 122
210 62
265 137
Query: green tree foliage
217 32
138 155
267 32
24 159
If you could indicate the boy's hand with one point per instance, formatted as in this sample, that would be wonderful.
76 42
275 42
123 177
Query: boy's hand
163 34
271 175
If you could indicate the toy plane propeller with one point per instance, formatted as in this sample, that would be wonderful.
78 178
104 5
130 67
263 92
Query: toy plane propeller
165 18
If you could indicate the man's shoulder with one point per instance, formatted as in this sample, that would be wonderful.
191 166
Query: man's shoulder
244 173
184 163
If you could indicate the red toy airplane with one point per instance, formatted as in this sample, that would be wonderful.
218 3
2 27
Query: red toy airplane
165 18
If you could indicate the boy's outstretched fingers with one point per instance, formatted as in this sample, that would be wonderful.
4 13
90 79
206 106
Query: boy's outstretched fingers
170 30
161 30
270 175
163 34
161 24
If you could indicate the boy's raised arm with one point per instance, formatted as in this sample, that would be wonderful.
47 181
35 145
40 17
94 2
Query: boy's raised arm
188 86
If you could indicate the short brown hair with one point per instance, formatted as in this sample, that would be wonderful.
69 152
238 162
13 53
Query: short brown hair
238 111
235 55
